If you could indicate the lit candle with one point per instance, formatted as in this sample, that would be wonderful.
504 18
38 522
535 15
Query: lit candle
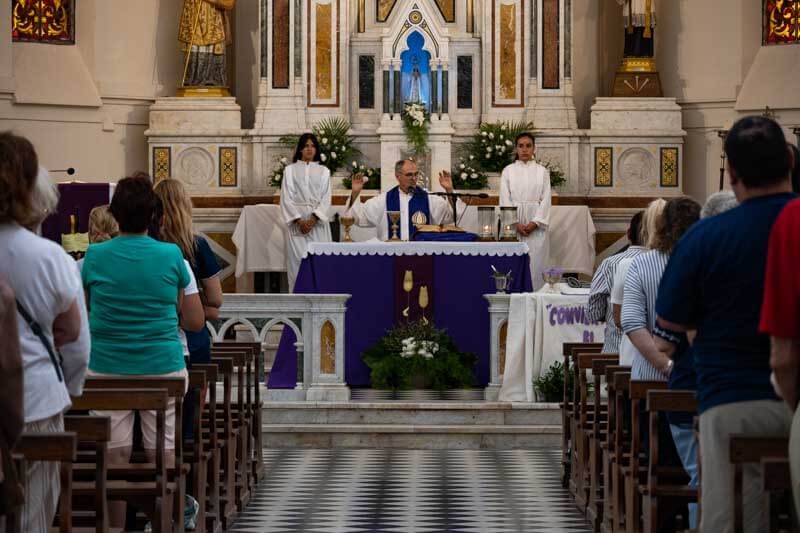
487 230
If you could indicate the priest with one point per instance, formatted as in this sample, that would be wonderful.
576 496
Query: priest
416 206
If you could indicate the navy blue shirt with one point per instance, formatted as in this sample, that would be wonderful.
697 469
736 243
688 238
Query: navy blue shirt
204 266
714 281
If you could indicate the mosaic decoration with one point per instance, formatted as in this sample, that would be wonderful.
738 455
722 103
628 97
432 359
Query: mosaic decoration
669 167
227 166
324 51
603 167
383 9
43 21
327 363
162 163
508 52
447 9
781 22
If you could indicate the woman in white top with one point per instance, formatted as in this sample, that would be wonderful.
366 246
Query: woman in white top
305 203
48 287
627 351
525 184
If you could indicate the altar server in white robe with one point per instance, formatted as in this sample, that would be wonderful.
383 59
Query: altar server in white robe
525 184
305 203
415 204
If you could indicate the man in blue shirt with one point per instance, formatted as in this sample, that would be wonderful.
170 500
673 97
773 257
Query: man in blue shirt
714 284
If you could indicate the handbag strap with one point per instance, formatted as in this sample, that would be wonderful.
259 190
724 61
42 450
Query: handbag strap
37 330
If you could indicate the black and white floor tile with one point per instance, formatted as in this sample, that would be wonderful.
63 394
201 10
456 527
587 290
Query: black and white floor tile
488 491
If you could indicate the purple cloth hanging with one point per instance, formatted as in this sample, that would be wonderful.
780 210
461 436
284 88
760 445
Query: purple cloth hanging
75 198
459 283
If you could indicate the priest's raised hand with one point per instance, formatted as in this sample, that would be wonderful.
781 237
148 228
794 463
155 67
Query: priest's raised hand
446 181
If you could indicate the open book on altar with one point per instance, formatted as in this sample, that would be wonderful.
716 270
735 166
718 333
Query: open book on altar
434 228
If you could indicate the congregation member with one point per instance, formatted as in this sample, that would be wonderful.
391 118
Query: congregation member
627 351
415 205
525 184
305 203
641 289
176 227
795 169
147 278
677 346
11 399
51 316
102 227
780 319
599 306
714 284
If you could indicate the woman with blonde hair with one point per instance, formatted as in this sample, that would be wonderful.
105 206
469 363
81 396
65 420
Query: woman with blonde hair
176 227
627 351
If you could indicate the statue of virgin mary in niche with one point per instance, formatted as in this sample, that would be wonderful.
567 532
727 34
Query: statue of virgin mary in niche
415 94
416 72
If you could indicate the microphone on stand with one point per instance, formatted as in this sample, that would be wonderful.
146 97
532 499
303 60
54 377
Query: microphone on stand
70 171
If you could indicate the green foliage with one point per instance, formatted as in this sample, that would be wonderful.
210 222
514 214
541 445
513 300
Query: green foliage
468 175
373 175
556 173
493 144
551 384
408 351
335 142
416 121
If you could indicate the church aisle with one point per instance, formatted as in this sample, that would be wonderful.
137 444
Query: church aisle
343 490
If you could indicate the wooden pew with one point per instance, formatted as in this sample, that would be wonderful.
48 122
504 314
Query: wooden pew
195 452
242 420
48 447
567 407
227 436
751 449
152 487
254 404
597 436
667 490
636 473
620 461
583 420
93 434
176 390
607 452
777 484
212 445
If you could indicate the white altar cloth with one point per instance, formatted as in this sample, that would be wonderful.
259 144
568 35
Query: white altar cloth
538 324
260 238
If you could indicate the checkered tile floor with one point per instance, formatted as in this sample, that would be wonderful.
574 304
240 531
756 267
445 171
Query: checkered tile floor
465 491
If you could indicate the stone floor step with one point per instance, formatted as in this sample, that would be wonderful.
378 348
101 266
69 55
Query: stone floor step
411 413
448 436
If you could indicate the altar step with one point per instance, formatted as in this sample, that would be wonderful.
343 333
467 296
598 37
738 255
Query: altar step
411 425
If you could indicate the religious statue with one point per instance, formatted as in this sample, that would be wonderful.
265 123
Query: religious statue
638 76
640 21
203 34
415 80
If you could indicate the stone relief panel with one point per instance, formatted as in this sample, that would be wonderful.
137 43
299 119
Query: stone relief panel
195 166
638 170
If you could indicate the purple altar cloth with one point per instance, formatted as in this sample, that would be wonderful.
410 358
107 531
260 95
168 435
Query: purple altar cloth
459 306
74 198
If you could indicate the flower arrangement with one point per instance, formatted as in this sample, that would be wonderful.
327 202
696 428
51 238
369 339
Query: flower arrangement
468 175
276 178
335 142
416 121
556 173
417 350
493 144
372 176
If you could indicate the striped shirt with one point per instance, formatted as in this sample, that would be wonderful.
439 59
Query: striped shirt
598 307
639 306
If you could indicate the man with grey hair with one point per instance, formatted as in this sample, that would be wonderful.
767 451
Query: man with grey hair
415 205
717 203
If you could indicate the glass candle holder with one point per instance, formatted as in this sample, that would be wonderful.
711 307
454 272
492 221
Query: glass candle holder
508 223
487 223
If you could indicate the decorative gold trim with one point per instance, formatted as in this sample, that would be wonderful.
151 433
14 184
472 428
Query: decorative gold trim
327 348
202 92
470 16
362 16
162 163
228 172
669 167
638 64
603 167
